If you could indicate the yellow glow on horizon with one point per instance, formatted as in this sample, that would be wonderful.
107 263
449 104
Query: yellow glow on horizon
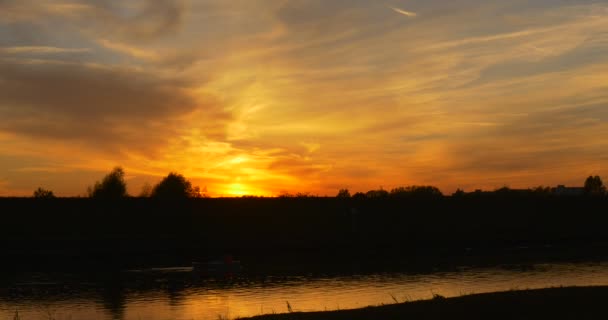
238 189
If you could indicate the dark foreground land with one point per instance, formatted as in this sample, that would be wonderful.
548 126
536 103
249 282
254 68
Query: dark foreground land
307 232
553 303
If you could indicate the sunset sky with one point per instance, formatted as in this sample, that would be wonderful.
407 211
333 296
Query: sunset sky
271 96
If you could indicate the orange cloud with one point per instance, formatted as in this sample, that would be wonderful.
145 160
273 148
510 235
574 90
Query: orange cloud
310 96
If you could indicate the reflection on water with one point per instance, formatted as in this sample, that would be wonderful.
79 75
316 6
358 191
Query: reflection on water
176 293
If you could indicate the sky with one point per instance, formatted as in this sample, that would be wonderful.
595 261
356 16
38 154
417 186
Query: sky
266 97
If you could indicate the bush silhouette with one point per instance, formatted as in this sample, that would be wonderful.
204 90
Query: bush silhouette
173 187
112 186
41 193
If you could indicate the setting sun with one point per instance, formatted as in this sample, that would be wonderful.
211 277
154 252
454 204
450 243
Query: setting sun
237 189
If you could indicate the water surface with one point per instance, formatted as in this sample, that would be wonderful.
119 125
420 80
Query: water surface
178 293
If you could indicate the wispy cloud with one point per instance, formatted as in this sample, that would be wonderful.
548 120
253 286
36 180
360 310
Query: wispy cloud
240 95
410 14
128 50
41 50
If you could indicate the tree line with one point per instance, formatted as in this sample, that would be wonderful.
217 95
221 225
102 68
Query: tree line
593 187
176 186
113 186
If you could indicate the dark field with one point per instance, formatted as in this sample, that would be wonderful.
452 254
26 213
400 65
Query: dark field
553 303
306 232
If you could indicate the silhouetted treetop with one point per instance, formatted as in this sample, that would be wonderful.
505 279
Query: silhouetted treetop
594 186
359 195
112 186
380 193
41 193
459 193
343 193
174 187
416 191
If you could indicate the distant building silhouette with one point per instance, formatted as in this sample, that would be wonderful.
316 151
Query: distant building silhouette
562 190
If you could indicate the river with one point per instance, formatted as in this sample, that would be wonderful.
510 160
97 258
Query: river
177 293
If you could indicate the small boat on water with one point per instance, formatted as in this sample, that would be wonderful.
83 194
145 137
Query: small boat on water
226 266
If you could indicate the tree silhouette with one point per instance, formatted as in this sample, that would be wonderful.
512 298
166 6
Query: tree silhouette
594 186
459 193
343 193
112 186
416 191
380 193
359 195
175 186
41 193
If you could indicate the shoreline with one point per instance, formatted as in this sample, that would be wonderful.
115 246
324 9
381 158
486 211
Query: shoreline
549 303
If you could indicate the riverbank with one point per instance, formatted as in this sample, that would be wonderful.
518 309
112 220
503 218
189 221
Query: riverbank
551 303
